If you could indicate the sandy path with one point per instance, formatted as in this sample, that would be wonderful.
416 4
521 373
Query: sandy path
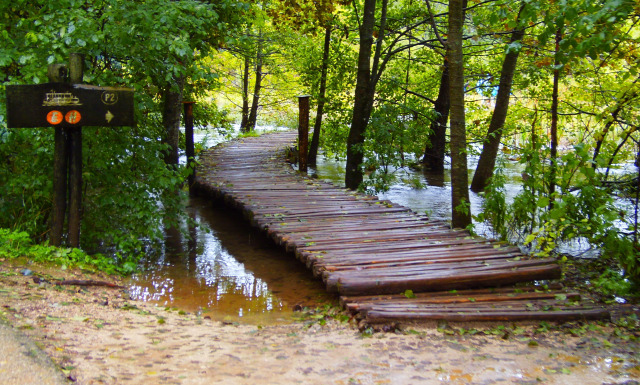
99 337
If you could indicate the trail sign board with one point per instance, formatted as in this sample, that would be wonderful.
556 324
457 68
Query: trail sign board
68 105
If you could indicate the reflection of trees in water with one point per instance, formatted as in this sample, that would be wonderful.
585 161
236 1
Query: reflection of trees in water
198 271
434 178
245 297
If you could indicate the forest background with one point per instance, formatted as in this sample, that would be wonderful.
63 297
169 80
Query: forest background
394 84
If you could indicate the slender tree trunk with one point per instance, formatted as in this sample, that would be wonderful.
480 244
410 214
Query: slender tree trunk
245 94
461 212
253 114
434 151
621 103
315 139
361 112
554 122
171 113
615 153
487 161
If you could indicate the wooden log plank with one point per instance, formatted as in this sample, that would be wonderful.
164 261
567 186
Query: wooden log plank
477 299
445 295
462 280
561 315
426 271
378 268
444 256
375 244
425 253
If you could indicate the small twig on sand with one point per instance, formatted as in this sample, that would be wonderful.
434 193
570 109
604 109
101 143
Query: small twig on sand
83 282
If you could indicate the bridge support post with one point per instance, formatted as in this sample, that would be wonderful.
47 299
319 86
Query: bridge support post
303 132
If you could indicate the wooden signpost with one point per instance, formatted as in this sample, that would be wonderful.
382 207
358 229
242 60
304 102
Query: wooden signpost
67 105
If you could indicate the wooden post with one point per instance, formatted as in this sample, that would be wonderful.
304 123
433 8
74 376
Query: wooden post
74 137
57 73
303 132
189 150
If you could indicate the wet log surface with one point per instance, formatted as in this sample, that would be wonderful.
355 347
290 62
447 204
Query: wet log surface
362 246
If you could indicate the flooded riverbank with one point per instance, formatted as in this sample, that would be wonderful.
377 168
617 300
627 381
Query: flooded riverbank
226 270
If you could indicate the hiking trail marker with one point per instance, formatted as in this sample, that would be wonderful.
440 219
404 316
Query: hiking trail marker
67 105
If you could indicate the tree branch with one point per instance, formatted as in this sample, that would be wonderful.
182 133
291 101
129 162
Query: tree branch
433 25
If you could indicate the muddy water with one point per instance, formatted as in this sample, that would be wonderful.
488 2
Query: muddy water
226 271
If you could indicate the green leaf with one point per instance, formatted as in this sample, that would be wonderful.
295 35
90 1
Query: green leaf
530 238
543 202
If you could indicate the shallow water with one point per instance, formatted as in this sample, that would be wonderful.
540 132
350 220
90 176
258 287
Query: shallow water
227 271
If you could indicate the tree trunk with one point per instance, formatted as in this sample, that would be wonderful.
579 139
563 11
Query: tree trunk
461 212
554 122
253 114
361 112
487 161
626 98
245 94
171 113
315 139
366 80
434 151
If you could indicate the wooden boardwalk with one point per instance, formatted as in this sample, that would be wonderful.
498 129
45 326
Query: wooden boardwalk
375 253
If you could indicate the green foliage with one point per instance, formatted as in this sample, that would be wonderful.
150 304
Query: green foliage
25 180
129 193
17 244
409 293
395 139
494 205
582 208
321 315
130 196
613 283
307 60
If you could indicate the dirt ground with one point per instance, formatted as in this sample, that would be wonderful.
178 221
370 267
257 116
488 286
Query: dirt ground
97 335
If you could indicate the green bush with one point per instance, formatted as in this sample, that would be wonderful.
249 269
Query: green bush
17 244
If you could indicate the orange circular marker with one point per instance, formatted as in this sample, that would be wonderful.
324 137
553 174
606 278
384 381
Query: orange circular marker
54 117
73 117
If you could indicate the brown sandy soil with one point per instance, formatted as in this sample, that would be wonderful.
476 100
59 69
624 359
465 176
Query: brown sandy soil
99 336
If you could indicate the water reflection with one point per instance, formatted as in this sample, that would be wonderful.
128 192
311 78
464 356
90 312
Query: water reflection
435 179
226 270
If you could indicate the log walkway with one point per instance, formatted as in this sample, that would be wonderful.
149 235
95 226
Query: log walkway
385 261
